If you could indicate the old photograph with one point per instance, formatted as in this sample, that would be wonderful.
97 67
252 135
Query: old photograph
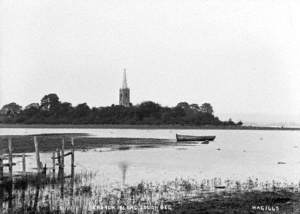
149 106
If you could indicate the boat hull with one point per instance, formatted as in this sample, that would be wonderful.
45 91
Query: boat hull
194 138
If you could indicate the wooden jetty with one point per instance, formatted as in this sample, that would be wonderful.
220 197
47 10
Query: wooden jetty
8 176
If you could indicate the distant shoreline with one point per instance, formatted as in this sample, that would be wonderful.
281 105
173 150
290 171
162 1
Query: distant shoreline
119 126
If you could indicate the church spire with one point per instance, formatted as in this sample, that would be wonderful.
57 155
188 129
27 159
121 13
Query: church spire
124 85
124 92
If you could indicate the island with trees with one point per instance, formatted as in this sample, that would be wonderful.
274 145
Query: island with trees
51 110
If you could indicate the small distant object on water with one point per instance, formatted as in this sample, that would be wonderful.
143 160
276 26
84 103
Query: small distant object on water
84 149
281 162
261 138
218 149
194 138
220 187
181 148
123 147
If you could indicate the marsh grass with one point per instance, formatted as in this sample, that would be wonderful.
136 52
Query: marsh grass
180 195
84 195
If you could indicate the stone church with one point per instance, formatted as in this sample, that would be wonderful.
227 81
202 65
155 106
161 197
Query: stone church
124 92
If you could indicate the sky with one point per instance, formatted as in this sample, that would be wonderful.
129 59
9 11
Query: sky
242 56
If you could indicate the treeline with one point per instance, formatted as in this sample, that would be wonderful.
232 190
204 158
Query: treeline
52 111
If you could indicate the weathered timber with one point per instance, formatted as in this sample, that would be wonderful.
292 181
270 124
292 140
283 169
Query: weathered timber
62 164
1 169
72 169
66 154
53 165
72 157
24 163
59 163
37 154
10 163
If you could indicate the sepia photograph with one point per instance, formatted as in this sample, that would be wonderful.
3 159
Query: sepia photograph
149 106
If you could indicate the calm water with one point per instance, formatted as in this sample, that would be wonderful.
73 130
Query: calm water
235 154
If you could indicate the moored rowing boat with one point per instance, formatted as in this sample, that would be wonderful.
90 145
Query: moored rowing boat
194 138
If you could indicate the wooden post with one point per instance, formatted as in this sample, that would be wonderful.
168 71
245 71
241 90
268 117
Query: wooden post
62 167
37 155
72 158
63 155
72 169
59 163
1 197
10 159
1 181
1 169
10 189
36 198
53 165
23 200
24 163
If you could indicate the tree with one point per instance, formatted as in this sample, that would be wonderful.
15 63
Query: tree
11 109
82 110
30 114
147 109
52 111
183 105
64 110
195 107
240 123
178 112
206 108
32 105
230 122
49 102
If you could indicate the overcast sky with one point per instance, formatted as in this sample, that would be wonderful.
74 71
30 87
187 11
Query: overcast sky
242 56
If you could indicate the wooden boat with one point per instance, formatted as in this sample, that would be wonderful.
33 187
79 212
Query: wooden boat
194 138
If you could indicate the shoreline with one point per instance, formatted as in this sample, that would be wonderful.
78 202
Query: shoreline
24 143
117 126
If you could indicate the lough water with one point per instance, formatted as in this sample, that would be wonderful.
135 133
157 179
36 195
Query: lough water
235 154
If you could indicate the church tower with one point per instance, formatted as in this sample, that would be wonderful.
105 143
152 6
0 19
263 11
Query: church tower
124 92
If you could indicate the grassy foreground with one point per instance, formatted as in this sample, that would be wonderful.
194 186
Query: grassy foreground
178 196
187 196
244 202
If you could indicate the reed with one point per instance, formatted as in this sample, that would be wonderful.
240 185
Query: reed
32 197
